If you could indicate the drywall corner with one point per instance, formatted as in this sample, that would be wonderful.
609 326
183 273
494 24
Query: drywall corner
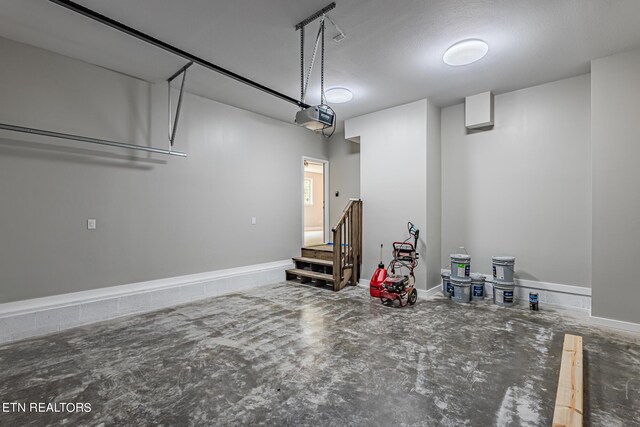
615 199
344 170
434 196
392 179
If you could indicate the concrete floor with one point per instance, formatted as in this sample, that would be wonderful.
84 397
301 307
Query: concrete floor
290 354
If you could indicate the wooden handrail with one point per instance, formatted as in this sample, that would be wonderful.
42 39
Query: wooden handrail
347 245
344 213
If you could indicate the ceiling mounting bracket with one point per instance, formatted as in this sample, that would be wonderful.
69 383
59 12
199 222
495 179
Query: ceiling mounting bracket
301 26
322 116
173 124
318 14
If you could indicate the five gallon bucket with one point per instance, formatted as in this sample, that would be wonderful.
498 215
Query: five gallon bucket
504 293
446 283
460 289
460 266
477 287
503 267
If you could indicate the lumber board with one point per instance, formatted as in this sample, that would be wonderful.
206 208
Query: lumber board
316 261
317 254
310 274
569 398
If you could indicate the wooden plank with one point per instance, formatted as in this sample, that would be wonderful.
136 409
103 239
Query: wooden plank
317 261
322 247
322 254
569 400
337 258
347 276
310 274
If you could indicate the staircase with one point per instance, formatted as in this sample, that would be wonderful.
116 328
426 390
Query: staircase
338 264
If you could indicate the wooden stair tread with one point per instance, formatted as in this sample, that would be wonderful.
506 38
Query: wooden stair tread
324 248
311 274
313 261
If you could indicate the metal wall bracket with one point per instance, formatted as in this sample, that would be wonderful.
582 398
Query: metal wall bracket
173 124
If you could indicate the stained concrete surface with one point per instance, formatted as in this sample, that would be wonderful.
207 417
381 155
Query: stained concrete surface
290 354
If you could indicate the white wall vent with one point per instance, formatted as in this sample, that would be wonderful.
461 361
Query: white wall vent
478 111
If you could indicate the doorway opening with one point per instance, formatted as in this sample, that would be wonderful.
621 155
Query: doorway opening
314 197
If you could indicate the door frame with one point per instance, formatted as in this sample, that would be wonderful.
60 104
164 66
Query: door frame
326 226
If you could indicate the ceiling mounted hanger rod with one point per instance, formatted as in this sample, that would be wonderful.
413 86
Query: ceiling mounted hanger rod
315 16
172 49
72 137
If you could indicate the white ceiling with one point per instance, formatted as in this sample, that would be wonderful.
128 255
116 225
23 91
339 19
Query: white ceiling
391 55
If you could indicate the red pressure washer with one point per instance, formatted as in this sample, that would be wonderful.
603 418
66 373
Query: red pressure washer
392 287
378 278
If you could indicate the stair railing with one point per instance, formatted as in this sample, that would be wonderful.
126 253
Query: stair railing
347 246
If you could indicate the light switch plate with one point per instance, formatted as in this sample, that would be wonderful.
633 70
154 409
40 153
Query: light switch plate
253 220
91 224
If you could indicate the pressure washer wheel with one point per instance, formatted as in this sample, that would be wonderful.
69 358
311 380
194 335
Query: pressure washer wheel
413 297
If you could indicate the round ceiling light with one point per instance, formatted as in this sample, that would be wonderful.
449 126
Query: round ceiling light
338 95
465 52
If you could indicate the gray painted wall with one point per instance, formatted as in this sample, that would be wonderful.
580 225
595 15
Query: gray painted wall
344 174
615 130
156 217
523 188
393 179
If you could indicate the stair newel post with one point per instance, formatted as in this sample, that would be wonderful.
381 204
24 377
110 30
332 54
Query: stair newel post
341 256
352 246
345 247
337 267
357 240
356 247
349 245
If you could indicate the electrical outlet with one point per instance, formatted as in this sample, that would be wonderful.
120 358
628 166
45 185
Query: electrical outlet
91 224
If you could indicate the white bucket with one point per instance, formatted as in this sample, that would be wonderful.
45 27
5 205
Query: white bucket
477 287
504 293
460 266
446 283
461 290
503 267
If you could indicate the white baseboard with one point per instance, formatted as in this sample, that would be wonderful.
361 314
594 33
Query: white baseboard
615 324
566 297
555 287
39 316
556 295
436 290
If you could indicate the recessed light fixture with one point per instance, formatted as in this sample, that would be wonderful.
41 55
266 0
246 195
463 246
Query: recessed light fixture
465 52
338 95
